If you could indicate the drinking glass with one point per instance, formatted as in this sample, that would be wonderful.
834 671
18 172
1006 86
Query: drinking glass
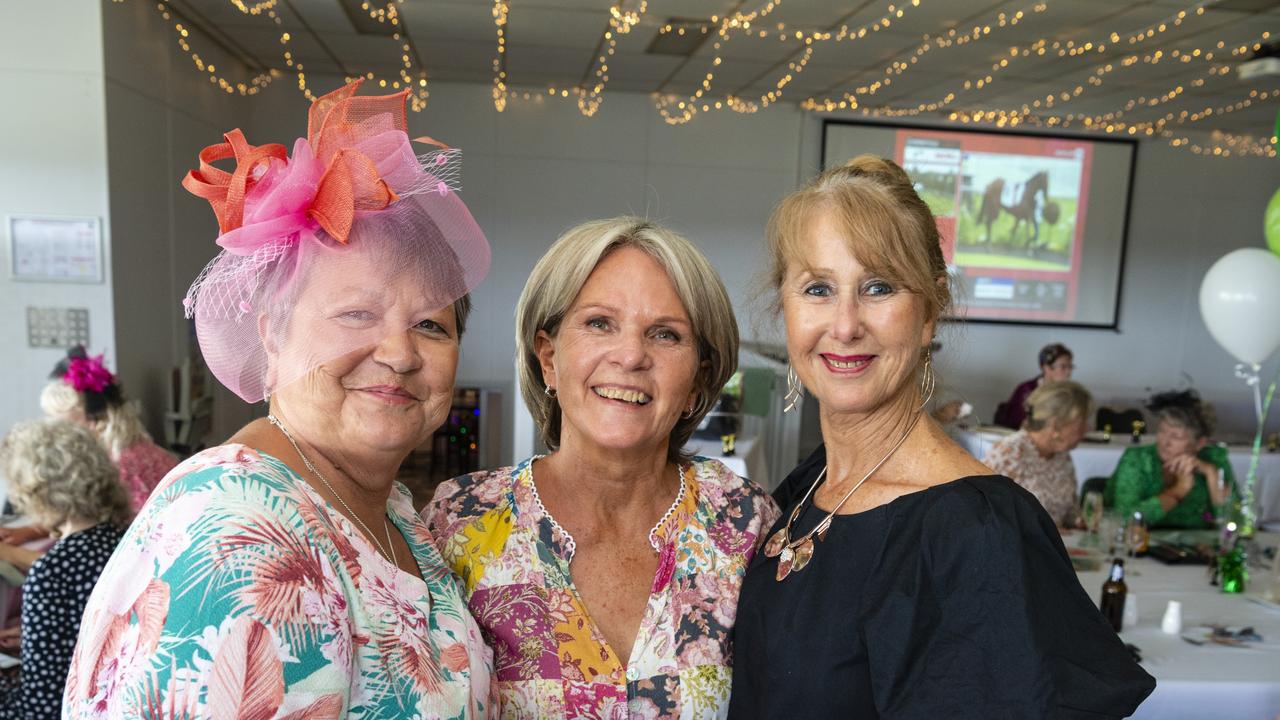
1091 510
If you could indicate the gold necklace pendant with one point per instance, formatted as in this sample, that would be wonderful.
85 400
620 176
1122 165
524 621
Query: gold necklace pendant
776 543
785 559
803 554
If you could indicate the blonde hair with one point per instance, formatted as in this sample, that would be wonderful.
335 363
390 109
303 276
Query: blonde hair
118 427
890 230
59 471
1057 403
558 278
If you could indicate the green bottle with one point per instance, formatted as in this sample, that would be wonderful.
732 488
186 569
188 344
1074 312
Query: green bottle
1232 570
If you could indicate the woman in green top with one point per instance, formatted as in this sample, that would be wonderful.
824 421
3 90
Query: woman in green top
1182 480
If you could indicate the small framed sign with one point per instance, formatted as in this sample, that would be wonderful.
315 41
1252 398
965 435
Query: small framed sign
55 249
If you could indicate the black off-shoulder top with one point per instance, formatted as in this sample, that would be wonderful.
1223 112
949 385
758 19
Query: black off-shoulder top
957 601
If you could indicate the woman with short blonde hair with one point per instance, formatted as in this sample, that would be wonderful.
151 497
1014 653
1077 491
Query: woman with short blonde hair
560 275
605 574
1038 457
60 476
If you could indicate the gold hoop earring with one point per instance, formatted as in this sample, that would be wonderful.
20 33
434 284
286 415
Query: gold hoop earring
688 411
795 391
928 379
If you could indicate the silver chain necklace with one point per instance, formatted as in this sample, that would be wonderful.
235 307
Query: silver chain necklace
307 461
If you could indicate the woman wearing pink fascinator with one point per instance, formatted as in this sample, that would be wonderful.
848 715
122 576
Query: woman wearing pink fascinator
285 574
82 390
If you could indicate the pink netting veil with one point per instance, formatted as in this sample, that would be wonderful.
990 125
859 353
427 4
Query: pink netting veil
351 239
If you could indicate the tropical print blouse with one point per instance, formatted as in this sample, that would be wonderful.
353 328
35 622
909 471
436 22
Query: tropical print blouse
238 592
550 660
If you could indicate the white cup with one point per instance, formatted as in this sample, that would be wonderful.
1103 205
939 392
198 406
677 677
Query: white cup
1172 622
1129 619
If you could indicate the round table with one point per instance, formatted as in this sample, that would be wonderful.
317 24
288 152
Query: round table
1195 682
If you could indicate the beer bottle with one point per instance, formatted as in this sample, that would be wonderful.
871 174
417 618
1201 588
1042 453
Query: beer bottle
1113 594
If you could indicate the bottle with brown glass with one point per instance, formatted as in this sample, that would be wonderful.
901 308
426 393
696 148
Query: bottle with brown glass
1113 594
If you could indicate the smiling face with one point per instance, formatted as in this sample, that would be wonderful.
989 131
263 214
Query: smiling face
854 338
392 392
624 358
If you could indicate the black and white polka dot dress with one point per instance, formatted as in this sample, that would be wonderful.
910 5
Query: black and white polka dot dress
53 599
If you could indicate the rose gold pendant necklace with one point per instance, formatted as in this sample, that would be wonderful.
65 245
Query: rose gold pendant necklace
794 555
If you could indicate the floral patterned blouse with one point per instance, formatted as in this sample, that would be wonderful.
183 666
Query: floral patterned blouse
1051 479
142 465
550 660
239 592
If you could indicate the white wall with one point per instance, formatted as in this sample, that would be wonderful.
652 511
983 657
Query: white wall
53 161
160 112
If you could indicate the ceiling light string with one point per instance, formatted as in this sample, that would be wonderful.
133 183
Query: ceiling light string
408 75
501 9
254 9
1186 118
951 39
1040 47
1185 56
621 21
1226 144
1109 122
182 32
686 109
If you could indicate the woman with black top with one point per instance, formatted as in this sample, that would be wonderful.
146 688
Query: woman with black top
904 579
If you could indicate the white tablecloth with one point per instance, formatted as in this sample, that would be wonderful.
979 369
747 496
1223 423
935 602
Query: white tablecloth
1100 459
1196 682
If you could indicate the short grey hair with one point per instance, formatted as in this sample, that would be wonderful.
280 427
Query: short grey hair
558 278
59 471
1057 403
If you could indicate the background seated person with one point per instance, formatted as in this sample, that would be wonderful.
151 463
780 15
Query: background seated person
60 476
1182 481
1038 457
82 390
1056 365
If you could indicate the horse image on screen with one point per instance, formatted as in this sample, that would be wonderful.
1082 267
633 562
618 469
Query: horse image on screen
1011 215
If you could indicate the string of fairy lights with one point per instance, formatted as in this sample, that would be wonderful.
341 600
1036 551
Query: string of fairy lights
624 16
410 75
1038 48
677 111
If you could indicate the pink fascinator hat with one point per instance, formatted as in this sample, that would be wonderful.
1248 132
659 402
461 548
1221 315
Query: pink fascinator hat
351 238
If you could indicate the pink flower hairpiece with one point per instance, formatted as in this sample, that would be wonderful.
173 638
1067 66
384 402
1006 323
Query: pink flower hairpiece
88 374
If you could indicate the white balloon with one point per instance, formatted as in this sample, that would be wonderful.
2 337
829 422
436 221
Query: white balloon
1240 303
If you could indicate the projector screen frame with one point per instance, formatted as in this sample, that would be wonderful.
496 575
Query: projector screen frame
1114 323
